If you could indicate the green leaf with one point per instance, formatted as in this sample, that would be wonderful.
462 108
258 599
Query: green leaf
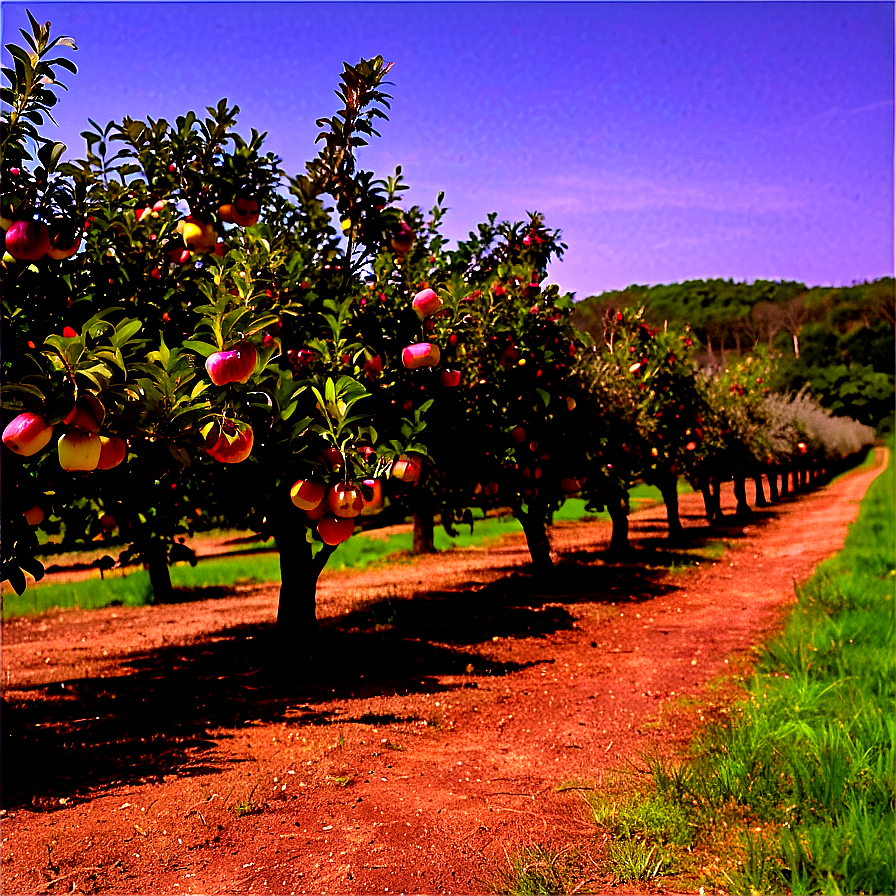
203 348
545 396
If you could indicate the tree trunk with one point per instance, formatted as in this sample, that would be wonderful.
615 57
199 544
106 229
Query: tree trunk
160 575
773 493
707 498
617 507
296 631
760 492
709 487
784 482
424 531
669 489
536 539
740 493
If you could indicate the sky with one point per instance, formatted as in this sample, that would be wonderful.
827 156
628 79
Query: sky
667 141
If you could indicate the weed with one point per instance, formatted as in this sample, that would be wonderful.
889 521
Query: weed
538 870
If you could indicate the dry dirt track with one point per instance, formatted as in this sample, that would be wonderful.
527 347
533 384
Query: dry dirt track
457 694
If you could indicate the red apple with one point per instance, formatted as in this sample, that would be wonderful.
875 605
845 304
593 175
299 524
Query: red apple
333 458
307 494
375 504
367 453
450 378
426 302
108 522
373 367
518 433
225 213
27 240
235 365
85 415
402 239
65 240
422 354
79 450
570 485
229 443
334 530
245 212
345 499
112 453
34 516
317 512
407 468
27 434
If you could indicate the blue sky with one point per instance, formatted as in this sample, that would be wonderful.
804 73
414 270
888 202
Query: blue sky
667 141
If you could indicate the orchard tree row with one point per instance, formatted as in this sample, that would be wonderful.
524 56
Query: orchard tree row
193 337
838 341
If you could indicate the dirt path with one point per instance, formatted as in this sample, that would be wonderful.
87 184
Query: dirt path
458 695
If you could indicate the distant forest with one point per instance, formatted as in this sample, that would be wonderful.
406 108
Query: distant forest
838 341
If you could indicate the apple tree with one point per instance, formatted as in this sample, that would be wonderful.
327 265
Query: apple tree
226 358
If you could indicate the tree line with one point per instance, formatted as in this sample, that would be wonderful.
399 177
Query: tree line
193 337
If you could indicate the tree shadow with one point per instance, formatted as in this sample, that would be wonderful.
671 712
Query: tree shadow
167 711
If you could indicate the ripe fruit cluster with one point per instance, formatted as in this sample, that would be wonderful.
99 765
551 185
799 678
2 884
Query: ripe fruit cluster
81 448
31 240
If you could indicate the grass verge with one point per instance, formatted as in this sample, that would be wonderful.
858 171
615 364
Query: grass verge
794 791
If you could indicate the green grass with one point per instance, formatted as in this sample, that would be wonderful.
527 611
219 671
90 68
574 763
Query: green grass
359 552
795 793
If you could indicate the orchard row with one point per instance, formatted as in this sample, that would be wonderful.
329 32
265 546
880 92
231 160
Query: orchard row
229 345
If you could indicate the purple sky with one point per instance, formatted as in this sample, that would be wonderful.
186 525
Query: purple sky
667 141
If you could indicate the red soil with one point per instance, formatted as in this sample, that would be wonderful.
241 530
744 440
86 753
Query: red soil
143 754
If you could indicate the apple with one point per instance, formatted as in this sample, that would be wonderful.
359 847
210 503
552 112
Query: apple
345 499
27 240
518 433
307 494
450 378
402 239
422 354
85 415
34 516
245 212
225 213
334 530
490 488
570 485
108 522
27 434
317 512
112 453
228 443
235 365
375 504
373 367
79 450
333 458
407 468
65 240
199 236
426 303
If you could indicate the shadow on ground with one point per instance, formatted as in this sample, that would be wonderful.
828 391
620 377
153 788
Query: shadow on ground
160 714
